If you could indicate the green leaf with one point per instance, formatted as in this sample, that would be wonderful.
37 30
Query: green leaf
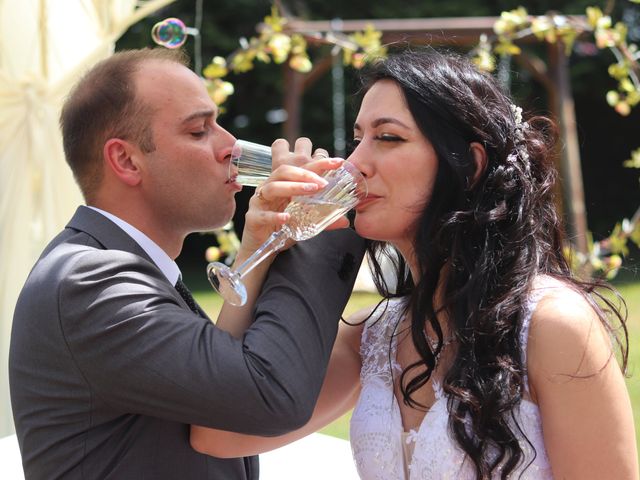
634 161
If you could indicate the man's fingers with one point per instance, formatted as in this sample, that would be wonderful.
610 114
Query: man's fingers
284 190
293 173
265 218
320 165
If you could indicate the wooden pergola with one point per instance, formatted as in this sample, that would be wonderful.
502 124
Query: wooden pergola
462 32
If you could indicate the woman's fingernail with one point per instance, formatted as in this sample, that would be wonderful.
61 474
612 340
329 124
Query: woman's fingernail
283 217
310 187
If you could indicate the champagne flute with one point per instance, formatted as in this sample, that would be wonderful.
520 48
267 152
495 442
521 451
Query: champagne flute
309 215
250 163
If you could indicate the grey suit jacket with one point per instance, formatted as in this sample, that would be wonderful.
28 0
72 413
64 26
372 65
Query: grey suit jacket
108 366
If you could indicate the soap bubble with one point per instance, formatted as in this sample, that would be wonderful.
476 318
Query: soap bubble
170 33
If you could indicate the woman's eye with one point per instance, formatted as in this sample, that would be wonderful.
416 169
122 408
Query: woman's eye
386 137
199 134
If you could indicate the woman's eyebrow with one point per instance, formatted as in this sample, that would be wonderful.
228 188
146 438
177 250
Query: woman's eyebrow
381 121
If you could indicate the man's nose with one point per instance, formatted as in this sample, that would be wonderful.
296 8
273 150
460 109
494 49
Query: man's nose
227 140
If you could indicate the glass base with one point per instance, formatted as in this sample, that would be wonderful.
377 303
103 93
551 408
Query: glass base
227 283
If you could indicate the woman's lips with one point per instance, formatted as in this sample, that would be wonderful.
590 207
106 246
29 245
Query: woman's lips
366 202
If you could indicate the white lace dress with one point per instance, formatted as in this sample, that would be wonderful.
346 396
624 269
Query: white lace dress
376 425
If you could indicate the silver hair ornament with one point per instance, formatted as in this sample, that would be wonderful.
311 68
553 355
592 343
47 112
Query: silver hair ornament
520 148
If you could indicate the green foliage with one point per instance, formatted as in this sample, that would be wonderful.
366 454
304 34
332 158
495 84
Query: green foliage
634 161
261 89
606 255
554 27
275 43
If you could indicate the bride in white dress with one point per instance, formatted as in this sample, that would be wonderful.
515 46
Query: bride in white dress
487 359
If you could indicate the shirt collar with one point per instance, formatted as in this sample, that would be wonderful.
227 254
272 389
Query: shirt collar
168 267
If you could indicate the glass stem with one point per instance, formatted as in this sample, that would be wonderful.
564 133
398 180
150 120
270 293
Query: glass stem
274 243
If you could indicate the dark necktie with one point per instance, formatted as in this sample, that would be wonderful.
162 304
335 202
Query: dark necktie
186 296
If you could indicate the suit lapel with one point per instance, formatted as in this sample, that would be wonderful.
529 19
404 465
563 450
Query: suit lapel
112 237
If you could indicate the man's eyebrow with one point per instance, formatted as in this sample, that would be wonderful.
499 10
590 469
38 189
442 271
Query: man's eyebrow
199 114
381 121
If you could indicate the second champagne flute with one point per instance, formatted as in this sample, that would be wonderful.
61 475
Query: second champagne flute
309 215
250 163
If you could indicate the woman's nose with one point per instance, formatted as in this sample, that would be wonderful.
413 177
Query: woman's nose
357 159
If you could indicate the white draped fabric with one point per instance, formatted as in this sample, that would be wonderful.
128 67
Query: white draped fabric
44 46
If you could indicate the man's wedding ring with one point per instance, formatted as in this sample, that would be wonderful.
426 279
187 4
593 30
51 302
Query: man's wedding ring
320 154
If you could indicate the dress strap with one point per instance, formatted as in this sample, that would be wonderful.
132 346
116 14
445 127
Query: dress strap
542 286
378 342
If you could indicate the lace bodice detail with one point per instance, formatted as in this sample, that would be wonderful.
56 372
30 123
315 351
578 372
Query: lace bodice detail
376 423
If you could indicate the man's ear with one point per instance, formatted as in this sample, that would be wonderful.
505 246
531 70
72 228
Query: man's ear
480 160
119 156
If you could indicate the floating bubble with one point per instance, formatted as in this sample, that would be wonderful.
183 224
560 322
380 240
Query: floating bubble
170 33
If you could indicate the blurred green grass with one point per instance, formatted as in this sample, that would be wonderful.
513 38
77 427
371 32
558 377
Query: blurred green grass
630 291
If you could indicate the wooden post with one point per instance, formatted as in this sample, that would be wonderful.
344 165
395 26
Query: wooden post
294 89
570 168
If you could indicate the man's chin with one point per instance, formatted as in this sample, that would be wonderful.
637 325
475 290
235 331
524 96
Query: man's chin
216 223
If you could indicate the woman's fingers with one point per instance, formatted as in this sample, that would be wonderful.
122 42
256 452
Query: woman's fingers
281 154
294 173
301 155
280 147
288 181
320 153
303 147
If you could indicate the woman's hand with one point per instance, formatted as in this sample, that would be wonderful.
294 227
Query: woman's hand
294 173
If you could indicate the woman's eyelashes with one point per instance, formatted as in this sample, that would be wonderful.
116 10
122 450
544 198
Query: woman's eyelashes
387 137
383 137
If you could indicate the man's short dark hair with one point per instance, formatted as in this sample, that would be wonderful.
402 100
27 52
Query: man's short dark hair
103 105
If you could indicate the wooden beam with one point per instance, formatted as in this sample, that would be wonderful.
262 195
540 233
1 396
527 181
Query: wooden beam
570 165
453 31
443 31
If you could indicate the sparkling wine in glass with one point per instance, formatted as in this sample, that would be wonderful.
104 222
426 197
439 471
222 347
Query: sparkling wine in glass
309 215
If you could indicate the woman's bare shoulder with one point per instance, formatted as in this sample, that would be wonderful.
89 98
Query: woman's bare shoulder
567 335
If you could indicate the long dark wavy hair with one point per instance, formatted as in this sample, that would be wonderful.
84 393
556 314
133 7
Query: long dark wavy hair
482 241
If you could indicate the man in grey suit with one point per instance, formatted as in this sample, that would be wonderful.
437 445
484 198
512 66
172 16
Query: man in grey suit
111 360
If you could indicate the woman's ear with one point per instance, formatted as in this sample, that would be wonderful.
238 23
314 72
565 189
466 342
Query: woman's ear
480 161
119 157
